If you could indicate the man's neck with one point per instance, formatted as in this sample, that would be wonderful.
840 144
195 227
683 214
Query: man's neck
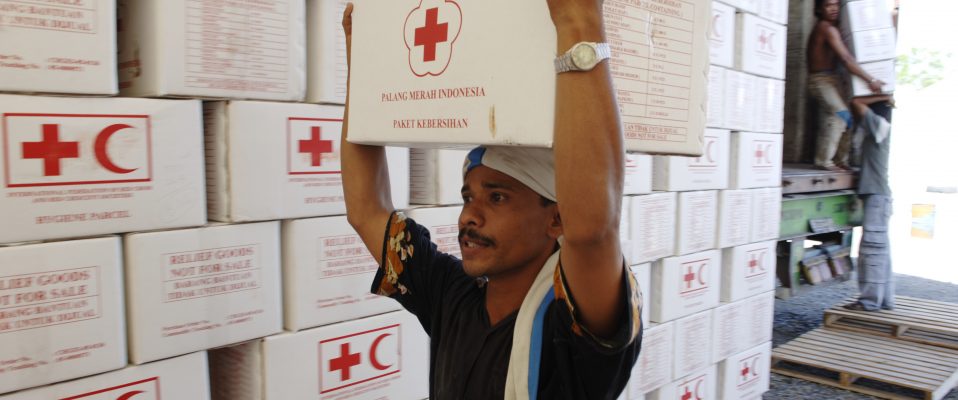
504 293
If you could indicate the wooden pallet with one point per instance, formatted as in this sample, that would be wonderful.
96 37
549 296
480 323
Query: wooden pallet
916 320
857 361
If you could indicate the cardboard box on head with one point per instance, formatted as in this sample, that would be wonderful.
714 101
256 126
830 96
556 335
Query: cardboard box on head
433 79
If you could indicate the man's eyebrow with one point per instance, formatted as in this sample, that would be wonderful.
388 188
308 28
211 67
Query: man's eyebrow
497 185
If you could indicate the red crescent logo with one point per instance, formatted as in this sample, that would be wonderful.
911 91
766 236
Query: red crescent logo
754 369
698 386
714 33
128 396
372 352
709 151
767 154
701 275
99 148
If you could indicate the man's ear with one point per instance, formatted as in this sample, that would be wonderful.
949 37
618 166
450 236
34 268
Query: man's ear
555 223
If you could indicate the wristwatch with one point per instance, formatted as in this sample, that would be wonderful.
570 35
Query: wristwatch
583 56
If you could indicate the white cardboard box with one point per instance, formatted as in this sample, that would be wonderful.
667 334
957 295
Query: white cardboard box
756 160
751 6
61 311
327 273
693 344
697 385
281 160
748 270
774 10
882 70
722 35
872 45
727 333
325 52
59 47
80 167
769 98
739 106
643 274
435 176
685 285
734 217
453 88
746 375
709 171
759 319
638 174
767 214
715 109
697 222
200 49
381 357
742 324
653 218
443 226
864 15
183 377
761 46
653 369
625 231
196 289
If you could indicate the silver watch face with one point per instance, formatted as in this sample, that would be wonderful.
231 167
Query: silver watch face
583 56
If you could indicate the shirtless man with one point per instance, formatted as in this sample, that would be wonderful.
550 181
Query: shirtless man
825 47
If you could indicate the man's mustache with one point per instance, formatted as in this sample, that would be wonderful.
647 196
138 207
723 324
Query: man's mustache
475 236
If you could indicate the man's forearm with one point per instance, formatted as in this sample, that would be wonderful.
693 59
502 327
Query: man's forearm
588 141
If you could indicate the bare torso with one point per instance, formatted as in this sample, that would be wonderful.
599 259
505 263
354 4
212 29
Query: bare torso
821 56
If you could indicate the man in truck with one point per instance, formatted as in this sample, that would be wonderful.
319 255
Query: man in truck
825 51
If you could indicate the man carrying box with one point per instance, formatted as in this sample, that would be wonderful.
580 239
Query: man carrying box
825 47
517 317
876 284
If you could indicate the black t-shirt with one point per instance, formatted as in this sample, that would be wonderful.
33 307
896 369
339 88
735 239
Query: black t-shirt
469 358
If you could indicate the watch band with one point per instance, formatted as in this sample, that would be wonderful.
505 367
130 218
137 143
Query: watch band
564 63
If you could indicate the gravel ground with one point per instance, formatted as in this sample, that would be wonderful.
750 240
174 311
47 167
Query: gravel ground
800 314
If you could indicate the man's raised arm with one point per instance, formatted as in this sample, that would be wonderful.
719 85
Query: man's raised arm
589 162
365 175
834 38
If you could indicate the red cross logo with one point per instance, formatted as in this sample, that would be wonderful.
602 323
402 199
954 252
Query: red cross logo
51 150
315 146
753 263
745 371
344 362
689 277
431 34
687 395
765 41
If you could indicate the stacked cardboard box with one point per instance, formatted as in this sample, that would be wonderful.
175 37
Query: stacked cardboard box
869 33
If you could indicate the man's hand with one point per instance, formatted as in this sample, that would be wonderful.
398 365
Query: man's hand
875 85
576 21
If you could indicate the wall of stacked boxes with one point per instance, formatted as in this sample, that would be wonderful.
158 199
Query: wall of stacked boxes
172 208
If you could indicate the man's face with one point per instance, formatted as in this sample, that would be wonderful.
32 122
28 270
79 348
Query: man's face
503 225
830 10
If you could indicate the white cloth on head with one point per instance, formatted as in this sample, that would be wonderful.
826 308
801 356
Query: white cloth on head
533 167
